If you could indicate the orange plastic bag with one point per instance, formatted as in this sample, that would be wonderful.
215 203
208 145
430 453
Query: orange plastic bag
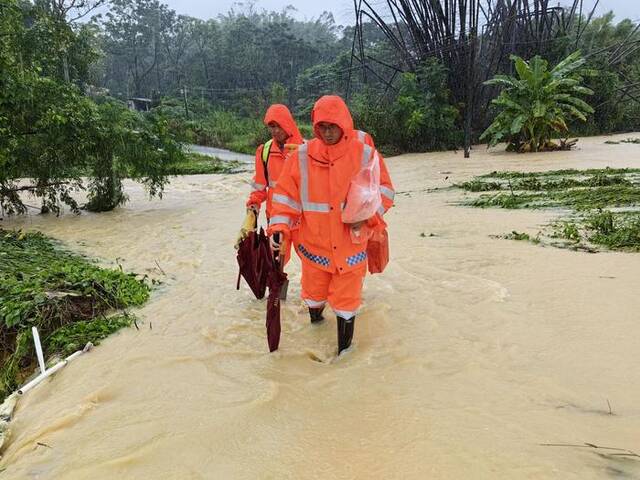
363 198
378 252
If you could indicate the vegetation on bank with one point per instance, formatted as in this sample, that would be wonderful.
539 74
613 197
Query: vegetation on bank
67 297
604 204
198 164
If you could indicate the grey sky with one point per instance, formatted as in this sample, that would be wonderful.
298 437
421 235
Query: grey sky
343 9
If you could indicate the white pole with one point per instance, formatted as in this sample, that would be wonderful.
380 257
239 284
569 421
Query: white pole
36 340
41 377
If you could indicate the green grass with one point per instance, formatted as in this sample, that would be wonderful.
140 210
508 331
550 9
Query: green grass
506 175
542 183
197 164
476 185
65 295
616 231
578 199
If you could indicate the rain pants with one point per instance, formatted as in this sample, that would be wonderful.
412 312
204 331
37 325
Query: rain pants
309 198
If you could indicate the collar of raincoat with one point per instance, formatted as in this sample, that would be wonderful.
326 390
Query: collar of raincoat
282 116
331 109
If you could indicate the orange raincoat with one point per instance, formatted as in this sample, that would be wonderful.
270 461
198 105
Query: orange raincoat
264 180
309 197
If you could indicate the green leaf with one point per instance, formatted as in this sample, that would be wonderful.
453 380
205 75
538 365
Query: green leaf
518 123
539 109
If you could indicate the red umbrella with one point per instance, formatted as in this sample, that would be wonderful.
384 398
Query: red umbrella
277 283
255 262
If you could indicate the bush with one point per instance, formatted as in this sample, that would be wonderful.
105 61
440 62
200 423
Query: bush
536 105
418 118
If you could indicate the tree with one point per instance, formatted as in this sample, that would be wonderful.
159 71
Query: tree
538 103
52 136
132 37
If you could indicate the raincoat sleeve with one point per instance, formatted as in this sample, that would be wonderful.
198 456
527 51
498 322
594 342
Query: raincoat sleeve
259 183
368 140
286 206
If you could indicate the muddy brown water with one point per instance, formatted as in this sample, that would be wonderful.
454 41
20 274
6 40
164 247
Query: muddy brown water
470 352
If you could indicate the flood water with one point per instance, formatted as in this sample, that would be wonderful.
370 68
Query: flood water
470 354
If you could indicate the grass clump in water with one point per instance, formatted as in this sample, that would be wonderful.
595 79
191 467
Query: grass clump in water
63 294
198 164
521 236
579 198
541 184
476 185
590 193
626 140
506 175
620 231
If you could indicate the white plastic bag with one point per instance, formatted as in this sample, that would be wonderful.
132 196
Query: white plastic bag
363 198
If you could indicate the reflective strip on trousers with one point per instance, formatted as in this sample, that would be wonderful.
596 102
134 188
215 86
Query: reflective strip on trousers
345 314
280 219
315 303
288 201
307 206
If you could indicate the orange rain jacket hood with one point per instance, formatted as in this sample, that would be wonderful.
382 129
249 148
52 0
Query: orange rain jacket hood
331 109
282 116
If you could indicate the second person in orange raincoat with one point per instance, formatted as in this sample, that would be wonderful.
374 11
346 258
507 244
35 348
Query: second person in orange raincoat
271 155
309 197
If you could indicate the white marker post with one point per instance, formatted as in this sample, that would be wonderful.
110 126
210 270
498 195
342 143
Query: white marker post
36 340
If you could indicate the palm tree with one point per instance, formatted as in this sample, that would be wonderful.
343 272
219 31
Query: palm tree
537 104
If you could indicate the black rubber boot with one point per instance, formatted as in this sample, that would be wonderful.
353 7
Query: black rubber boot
316 314
345 333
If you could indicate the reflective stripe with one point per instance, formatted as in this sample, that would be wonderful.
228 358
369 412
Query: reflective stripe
288 201
303 160
280 219
314 303
346 314
315 207
381 210
258 186
357 258
362 136
273 184
387 192
319 259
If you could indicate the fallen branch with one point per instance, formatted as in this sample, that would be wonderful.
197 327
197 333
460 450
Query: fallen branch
626 453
